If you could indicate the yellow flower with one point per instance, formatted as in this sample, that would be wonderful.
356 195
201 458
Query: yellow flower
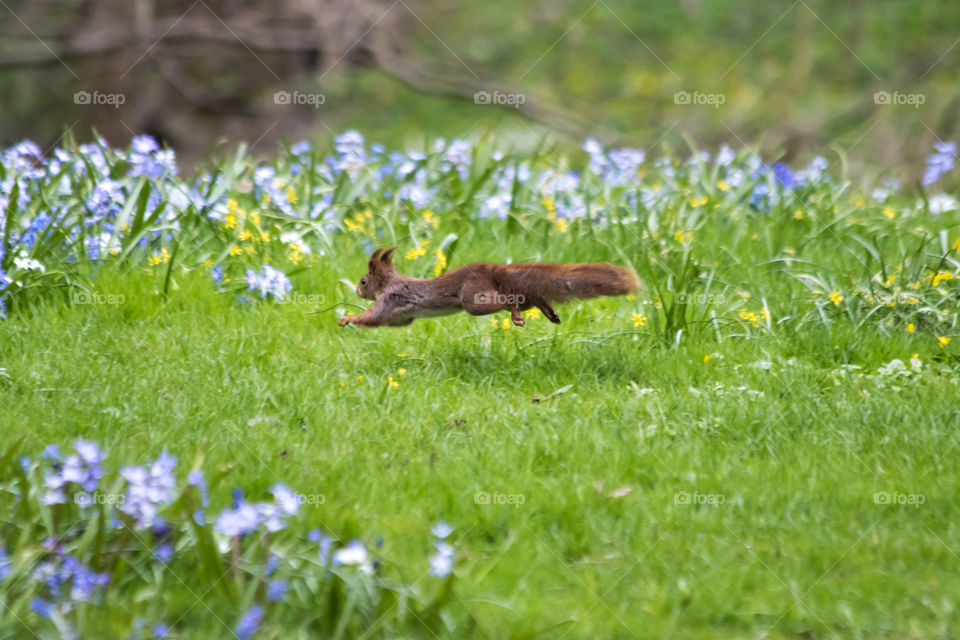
402 355
246 234
706 358
698 202
431 218
402 372
956 244
678 236
941 275
153 261
264 236
207 263
295 255
835 297
798 214
235 250
551 208
440 264
413 254
230 221
910 328
722 185
342 383
232 205
391 383
888 213
360 378
943 341
752 317
494 322
562 226
505 324
291 195
639 320
256 219
533 313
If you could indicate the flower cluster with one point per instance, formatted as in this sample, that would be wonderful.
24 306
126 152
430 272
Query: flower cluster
94 555
268 282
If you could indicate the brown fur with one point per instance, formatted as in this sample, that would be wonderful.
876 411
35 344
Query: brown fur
481 289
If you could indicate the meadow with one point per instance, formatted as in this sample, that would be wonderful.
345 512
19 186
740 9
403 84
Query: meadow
759 443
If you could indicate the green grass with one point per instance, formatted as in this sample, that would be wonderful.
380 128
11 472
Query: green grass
563 416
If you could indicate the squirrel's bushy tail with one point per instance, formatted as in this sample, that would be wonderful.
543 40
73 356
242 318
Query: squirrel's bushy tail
560 282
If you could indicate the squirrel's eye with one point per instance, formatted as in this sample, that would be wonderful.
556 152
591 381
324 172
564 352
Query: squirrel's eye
363 281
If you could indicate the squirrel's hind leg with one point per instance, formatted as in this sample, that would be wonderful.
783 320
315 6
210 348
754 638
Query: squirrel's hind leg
515 316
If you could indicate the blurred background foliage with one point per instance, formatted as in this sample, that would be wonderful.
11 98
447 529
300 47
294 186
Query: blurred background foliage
797 77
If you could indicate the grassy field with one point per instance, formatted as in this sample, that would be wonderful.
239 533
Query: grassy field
757 444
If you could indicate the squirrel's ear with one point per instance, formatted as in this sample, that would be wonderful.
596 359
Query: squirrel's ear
374 260
387 257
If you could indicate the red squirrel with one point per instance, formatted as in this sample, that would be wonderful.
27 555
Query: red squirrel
481 289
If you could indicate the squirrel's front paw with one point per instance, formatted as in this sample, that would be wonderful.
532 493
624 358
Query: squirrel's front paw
345 320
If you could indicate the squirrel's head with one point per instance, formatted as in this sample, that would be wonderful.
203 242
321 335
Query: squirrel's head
380 272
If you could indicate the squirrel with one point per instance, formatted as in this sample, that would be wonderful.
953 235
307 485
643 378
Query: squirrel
481 289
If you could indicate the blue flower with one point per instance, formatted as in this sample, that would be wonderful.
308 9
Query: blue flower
441 530
160 630
4 564
940 162
164 553
441 563
149 488
243 519
784 176
269 281
197 479
277 591
216 274
41 607
250 622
